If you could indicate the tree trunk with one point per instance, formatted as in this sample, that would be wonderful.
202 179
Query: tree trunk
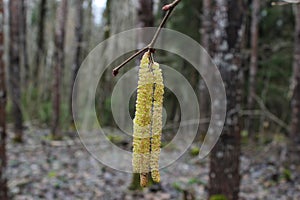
253 64
145 18
3 180
58 61
88 21
14 68
145 13
40 52
204 95
295 125
78 48
224 178
23 40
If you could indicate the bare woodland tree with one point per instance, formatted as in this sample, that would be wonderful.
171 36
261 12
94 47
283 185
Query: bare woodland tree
88 21
14 68
253 63
205 38
224 178
145 13
295 125
78 48
3 180
58 61
40 52
23 40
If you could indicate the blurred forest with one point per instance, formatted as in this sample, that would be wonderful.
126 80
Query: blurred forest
42 45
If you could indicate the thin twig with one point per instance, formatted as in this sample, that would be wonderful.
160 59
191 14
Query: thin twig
265 112
169 8
116 70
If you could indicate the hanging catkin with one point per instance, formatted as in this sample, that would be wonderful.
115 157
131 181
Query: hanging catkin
148 121
156 121
142 121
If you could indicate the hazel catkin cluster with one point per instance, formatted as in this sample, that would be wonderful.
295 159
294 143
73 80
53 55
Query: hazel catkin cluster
147 124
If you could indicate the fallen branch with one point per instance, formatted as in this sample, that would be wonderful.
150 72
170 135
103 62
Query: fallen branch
265 112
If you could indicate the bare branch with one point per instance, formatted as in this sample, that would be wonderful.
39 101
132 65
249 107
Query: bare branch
284 2
169 8
265 112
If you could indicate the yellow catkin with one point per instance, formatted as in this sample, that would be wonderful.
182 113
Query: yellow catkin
142 120
147 124
156 121
143 179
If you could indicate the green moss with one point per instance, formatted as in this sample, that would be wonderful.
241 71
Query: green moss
52 174
196 181
287 174
194 151
115 139
177 186
218 197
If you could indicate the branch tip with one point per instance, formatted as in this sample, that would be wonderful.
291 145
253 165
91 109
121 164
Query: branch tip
166 7
169 7
115 72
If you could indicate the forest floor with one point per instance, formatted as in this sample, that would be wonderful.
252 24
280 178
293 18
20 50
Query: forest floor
45 169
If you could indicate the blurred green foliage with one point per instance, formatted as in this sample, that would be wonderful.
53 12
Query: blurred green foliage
218 197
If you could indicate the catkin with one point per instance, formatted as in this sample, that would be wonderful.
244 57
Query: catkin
142 120
156 121
147 124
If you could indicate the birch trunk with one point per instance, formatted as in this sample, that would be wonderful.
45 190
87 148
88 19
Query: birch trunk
224 177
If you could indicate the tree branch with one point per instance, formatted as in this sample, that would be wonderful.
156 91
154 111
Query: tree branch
169 8
285 2
264 111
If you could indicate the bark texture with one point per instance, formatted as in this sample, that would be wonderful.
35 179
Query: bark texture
14 68
23 40
224 178
40 53
253 63
78 49
3 180
295 125
205 39
59 40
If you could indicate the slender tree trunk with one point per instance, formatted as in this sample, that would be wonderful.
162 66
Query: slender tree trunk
88 21
58 61
205 32
295 125
107 15
3 180
40 52
145 18
206 24
145 13
253 63
23 40
78 49
14 68
224 178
